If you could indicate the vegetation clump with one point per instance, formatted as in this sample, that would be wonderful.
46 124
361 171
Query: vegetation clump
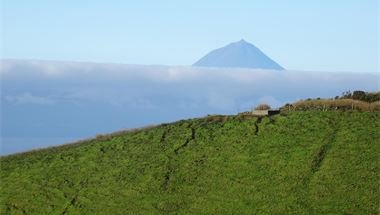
358 101
262 107
331 104
361 96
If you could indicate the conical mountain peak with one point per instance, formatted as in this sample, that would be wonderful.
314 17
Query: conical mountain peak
241 54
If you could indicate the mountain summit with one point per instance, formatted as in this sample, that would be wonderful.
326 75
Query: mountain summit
238 54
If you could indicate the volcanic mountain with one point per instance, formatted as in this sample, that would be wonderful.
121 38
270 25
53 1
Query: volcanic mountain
239 54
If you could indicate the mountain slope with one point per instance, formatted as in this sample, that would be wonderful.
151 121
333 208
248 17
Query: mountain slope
240 54
302 163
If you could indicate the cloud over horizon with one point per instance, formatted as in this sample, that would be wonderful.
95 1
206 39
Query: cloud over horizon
82 99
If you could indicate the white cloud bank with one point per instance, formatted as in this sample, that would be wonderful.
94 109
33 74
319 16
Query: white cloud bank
118 84
60 99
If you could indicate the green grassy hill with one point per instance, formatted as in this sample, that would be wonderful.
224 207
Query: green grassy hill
310 162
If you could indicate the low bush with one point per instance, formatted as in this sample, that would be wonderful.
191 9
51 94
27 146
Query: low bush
361 95
262 107
331 104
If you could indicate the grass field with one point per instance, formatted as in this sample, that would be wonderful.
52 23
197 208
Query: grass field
310 162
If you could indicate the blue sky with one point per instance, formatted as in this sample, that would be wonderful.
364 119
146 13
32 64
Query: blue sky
319 35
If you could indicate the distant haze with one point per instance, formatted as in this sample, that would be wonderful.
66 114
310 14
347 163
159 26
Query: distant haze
240 54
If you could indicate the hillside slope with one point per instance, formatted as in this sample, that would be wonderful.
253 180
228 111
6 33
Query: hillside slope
302 163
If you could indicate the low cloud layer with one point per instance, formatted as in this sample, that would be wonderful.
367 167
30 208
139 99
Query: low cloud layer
82 99
27 98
